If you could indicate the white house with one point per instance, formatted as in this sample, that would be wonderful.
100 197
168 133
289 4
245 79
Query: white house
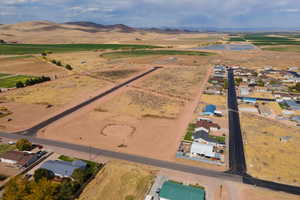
206 150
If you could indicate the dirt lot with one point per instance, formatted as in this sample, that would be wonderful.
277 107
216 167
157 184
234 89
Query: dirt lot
143 104
119 181
28 65
176 81
266 156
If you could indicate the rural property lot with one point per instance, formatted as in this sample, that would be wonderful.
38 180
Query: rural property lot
266 156
29 65
119 181
134 120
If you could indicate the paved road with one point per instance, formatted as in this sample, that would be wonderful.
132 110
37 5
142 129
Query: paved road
237 163
128 157
33 130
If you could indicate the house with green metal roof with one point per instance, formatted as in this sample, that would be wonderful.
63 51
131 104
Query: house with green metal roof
176 191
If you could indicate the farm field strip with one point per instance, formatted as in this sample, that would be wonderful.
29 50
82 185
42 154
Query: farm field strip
19 49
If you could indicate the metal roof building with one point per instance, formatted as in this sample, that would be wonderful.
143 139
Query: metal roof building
292 104
63 168
176 191
203 149
209 109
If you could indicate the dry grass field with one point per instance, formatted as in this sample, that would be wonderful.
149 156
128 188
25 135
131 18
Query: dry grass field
266 156
29 65
176 81
119 181
59 92
142 104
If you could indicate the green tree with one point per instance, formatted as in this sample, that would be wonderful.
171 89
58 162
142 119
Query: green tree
69 67
225 84
66 190
58 63
16 189
20 84
43 190
260 83
43 173
23 145
79 175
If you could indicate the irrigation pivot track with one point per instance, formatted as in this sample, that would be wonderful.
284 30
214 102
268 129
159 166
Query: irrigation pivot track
237 163
33 130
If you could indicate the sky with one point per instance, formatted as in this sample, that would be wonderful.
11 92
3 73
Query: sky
158 13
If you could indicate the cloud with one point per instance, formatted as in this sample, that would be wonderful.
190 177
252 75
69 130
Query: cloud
143 13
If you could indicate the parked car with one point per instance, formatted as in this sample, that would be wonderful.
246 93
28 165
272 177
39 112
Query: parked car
11 142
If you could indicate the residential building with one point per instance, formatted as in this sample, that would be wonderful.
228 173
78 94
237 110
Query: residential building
206 150
204 138
293 105
21 159
63 169
206 124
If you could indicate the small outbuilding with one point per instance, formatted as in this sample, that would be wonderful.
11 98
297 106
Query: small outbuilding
209 110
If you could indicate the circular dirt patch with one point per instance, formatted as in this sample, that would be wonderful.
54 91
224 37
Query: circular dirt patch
118 130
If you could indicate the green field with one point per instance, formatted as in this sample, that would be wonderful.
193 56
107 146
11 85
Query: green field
261 39
10 82
3 75
284 49
138 53
20 49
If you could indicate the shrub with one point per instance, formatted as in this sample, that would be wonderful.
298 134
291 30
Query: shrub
43 173
54 61
58 63
23 145
69 67
20 84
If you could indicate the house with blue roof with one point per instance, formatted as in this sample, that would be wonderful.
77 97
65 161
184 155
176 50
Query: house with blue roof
63 169
249 100
209 110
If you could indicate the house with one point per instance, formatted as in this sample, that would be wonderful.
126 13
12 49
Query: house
209 110
204 138
206 150
293 105
260 89
244 90
63 169
296 118
207 124
21 159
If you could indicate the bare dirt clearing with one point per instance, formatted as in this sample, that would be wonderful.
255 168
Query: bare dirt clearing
142 104
176 81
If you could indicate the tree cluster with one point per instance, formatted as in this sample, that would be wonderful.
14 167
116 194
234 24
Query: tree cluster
32 81
23 145
42 189
58 63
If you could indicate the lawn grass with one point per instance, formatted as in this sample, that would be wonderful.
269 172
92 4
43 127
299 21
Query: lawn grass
16 57
21 49
10 82
6 147
189 134
139 53
66 158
